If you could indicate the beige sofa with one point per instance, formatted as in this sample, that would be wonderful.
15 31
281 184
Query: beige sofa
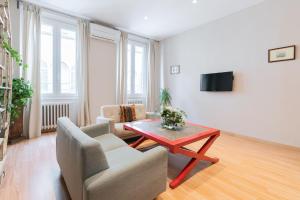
111 114
96 164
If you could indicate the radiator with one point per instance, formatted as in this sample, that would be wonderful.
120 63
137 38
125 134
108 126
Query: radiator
51 112
135 101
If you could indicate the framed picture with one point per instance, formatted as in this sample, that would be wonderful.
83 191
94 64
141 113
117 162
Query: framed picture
175 69
282 54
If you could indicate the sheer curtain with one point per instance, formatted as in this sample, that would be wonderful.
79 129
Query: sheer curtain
83 118
122 69
153 78
31 56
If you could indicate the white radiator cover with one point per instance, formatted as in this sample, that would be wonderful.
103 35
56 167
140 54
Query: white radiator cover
135 101
52 111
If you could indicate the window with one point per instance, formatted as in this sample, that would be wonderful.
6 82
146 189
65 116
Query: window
58 58
47 59
136 70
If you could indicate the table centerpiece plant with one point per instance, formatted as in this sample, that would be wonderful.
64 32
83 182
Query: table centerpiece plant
172 118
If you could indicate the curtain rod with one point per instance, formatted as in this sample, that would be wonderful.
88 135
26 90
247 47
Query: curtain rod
52 10
63 13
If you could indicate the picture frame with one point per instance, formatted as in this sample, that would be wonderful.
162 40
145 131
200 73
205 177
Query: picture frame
175 69
282 54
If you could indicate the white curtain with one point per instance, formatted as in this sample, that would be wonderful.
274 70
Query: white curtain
83 118
122 69
31 56
153 77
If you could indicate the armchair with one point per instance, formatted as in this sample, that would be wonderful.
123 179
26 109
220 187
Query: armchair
111 114
96 164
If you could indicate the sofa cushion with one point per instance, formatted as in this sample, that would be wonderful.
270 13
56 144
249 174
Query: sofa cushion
140 111
122 156
127 113
110 141
111 111
120 132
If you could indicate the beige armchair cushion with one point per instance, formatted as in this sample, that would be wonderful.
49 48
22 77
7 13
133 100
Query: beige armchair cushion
113 112
140 111
120 132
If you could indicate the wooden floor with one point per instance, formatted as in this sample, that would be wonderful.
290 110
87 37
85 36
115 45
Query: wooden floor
247 170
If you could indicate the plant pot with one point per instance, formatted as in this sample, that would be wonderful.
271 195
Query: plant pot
169 125
172 127
16 129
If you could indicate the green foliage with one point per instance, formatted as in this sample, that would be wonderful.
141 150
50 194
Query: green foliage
21 89
1 97
165 98
13 53
21 93
172 118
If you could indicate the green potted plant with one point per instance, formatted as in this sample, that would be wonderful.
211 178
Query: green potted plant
21 93
165 98
171 118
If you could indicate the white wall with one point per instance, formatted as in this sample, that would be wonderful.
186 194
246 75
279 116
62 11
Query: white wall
102 75
265 102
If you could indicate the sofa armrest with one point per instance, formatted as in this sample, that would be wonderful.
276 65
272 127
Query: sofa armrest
100 120
144 178
96 130
110 121
152 115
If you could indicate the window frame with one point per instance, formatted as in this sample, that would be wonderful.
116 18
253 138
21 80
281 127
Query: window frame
132 94
58 23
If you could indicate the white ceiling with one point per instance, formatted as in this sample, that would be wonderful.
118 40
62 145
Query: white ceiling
165 17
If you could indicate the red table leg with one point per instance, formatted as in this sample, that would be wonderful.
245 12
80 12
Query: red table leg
138 142
196 157
209 159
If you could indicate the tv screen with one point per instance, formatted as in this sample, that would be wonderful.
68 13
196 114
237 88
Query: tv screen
217 82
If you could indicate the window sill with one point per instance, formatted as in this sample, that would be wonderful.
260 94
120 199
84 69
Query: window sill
59 98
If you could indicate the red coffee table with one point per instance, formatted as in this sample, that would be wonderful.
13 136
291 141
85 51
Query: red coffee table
176 140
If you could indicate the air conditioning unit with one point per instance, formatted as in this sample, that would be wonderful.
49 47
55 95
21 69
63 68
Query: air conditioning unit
102 32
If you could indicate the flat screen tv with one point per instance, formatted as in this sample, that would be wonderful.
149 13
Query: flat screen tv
217 81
